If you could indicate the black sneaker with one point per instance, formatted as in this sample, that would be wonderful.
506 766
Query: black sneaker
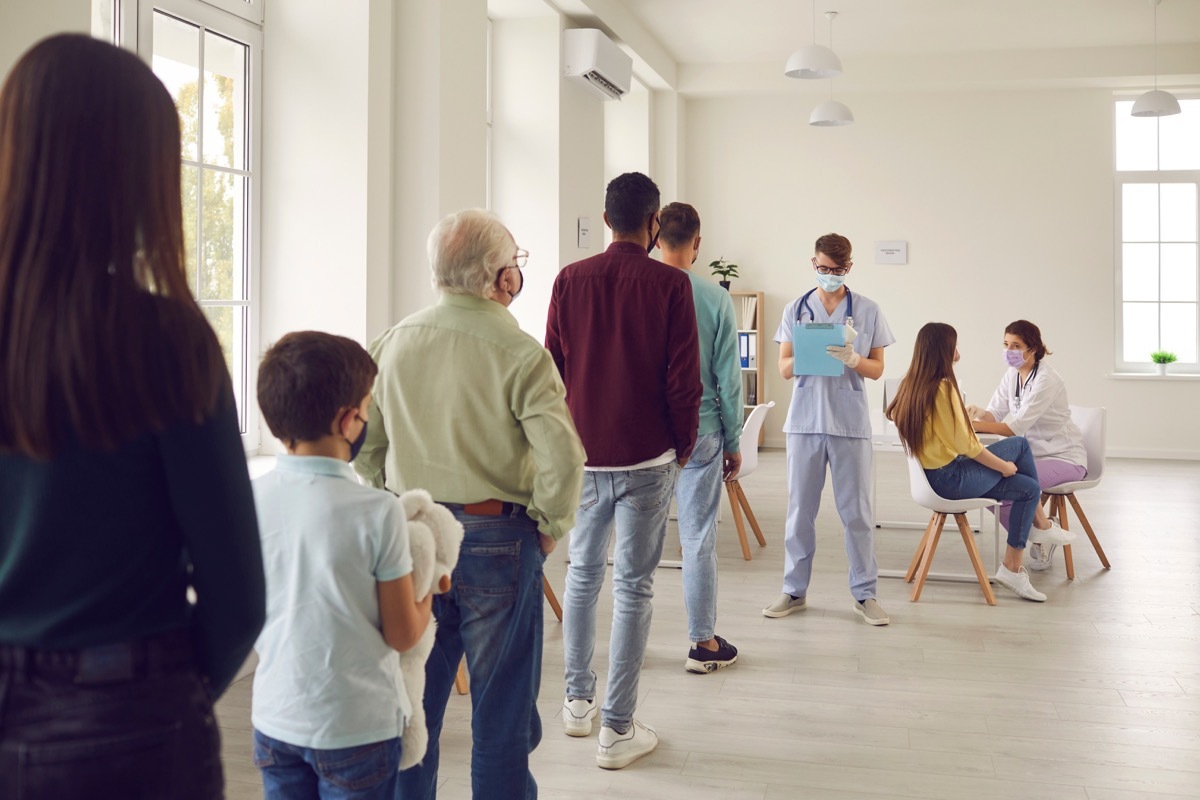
701 660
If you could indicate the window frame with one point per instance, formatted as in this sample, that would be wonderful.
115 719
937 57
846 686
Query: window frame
135 27
1120 179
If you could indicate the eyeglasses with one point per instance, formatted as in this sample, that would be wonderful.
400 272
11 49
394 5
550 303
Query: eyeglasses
520 259
824 270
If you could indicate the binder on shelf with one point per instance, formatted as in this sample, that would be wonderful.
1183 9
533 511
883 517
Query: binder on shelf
753 350
744 349
749 307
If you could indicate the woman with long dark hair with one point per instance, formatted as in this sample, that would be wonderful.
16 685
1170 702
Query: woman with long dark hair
1031 401
933 424
123 483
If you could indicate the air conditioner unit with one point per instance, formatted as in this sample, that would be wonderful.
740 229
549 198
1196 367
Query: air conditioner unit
597 62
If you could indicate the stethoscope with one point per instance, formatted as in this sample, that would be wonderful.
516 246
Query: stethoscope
803 304
1029 380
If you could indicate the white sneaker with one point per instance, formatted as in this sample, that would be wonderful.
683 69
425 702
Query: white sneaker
1018 583
577 716
622 749
1052 535
1040 555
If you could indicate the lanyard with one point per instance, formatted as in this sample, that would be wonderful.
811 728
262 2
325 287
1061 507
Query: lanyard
803 304
1029 380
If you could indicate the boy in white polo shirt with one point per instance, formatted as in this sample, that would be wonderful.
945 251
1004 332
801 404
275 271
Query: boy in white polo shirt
329 701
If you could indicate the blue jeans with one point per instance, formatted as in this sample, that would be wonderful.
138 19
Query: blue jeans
638 502
965 477
493 615
365 772
698 496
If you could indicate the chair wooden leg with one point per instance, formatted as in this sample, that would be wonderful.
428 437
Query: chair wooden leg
1060 508
927 559
916 559
973 553
548 590
731 489
741 493
460 680
1087 528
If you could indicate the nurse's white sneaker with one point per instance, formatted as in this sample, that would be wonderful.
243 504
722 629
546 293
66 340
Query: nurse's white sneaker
1018 583
1052 535
871 612
785 605
619 750
1040 555
577 716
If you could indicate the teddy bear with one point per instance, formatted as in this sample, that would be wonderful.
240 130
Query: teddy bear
435 537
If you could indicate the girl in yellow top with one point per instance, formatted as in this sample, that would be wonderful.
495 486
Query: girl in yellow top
934 427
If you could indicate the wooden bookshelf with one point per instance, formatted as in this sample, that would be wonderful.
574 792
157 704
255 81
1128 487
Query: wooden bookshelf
750 322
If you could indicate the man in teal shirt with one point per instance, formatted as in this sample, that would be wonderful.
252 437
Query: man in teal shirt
717 453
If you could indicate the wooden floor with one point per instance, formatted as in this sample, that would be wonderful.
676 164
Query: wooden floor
1094 694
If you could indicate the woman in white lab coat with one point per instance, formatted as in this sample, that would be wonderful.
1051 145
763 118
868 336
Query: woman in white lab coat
1031 401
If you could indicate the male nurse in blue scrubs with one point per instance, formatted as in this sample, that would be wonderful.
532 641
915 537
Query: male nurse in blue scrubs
828 425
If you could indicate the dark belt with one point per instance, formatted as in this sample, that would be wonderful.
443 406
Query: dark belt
111 663
488 508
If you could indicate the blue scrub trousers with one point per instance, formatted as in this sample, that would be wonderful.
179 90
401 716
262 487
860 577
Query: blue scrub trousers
849 461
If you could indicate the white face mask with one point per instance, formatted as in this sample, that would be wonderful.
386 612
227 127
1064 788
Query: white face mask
830 283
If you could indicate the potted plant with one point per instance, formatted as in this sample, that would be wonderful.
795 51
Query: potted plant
726 270
1161 358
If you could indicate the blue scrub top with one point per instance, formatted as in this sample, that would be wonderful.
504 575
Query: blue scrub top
836 406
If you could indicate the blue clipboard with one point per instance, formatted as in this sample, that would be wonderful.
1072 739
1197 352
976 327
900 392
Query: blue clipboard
809 340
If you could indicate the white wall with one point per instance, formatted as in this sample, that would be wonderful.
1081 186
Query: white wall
525 153
23 23
1005 199
315 141
440 132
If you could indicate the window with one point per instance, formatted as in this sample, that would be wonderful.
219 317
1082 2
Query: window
1158 236
209 61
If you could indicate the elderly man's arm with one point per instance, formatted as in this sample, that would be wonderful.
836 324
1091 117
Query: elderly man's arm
541 408
372 458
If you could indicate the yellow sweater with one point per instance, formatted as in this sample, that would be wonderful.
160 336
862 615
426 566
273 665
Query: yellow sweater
947 432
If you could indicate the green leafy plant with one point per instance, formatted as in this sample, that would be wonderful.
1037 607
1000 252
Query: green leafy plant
725 269
1163 357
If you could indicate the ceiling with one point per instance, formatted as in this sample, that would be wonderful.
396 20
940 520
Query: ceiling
743 31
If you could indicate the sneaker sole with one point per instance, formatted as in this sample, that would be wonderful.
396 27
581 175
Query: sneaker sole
705 667
624 759
777 614
870 621
578 729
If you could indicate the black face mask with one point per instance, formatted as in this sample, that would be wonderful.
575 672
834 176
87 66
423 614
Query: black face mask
520 287
653 242
357 444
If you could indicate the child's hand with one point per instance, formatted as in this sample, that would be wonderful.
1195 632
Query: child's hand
444 584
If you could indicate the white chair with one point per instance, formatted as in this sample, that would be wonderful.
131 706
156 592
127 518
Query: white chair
737 497
1093 424
924 495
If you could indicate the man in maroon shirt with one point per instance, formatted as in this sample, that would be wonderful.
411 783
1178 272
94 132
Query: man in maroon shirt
622 330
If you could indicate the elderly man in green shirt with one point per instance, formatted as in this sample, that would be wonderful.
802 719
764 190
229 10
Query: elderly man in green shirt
472 409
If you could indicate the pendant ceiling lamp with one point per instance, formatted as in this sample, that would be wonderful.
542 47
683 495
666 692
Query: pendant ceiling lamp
812 61
831 113
1155 103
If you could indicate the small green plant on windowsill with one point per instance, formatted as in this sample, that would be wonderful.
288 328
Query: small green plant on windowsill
1161 358
726 270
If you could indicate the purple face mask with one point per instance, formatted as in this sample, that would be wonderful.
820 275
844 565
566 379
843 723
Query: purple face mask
1014 358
